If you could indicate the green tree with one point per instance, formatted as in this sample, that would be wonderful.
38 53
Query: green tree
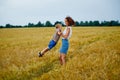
57 22
1 26
39 24
31 25
114 23
90 23
8 26
48 24
77 23
81 23
86 23
96 23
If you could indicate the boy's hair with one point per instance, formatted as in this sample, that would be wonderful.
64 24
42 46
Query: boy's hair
58 25
70 21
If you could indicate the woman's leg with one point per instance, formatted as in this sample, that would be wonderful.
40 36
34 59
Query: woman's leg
62 58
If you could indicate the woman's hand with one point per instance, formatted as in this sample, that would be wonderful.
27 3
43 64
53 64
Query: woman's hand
67 33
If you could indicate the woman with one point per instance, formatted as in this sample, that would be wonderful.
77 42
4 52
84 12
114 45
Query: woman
69 22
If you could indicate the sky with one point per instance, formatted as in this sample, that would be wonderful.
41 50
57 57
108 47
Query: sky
21 12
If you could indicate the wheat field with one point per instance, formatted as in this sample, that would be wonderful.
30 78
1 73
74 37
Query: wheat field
94 54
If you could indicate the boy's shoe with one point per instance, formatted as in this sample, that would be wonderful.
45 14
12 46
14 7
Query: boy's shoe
40 55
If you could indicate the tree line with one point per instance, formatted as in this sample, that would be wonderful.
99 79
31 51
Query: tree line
77 23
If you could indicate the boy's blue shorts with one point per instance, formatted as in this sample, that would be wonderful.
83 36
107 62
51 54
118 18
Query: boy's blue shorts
51 44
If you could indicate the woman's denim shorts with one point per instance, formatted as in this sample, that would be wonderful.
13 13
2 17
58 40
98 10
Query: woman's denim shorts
65 46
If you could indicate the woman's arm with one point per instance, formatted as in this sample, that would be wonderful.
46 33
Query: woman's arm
67 33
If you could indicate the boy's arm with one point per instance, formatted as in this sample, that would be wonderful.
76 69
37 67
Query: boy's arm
65 35
59 32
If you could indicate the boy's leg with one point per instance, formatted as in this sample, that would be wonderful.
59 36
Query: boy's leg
44 50
50 46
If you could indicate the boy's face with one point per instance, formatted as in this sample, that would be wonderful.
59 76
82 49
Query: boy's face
59 27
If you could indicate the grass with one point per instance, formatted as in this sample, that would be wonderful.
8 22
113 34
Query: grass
94 54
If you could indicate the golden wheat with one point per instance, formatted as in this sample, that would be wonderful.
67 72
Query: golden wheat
94 54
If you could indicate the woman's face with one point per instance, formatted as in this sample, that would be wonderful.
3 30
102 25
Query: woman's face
66 22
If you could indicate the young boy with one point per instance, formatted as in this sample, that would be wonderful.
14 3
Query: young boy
52 42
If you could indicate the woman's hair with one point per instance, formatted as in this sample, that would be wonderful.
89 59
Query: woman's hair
70 21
